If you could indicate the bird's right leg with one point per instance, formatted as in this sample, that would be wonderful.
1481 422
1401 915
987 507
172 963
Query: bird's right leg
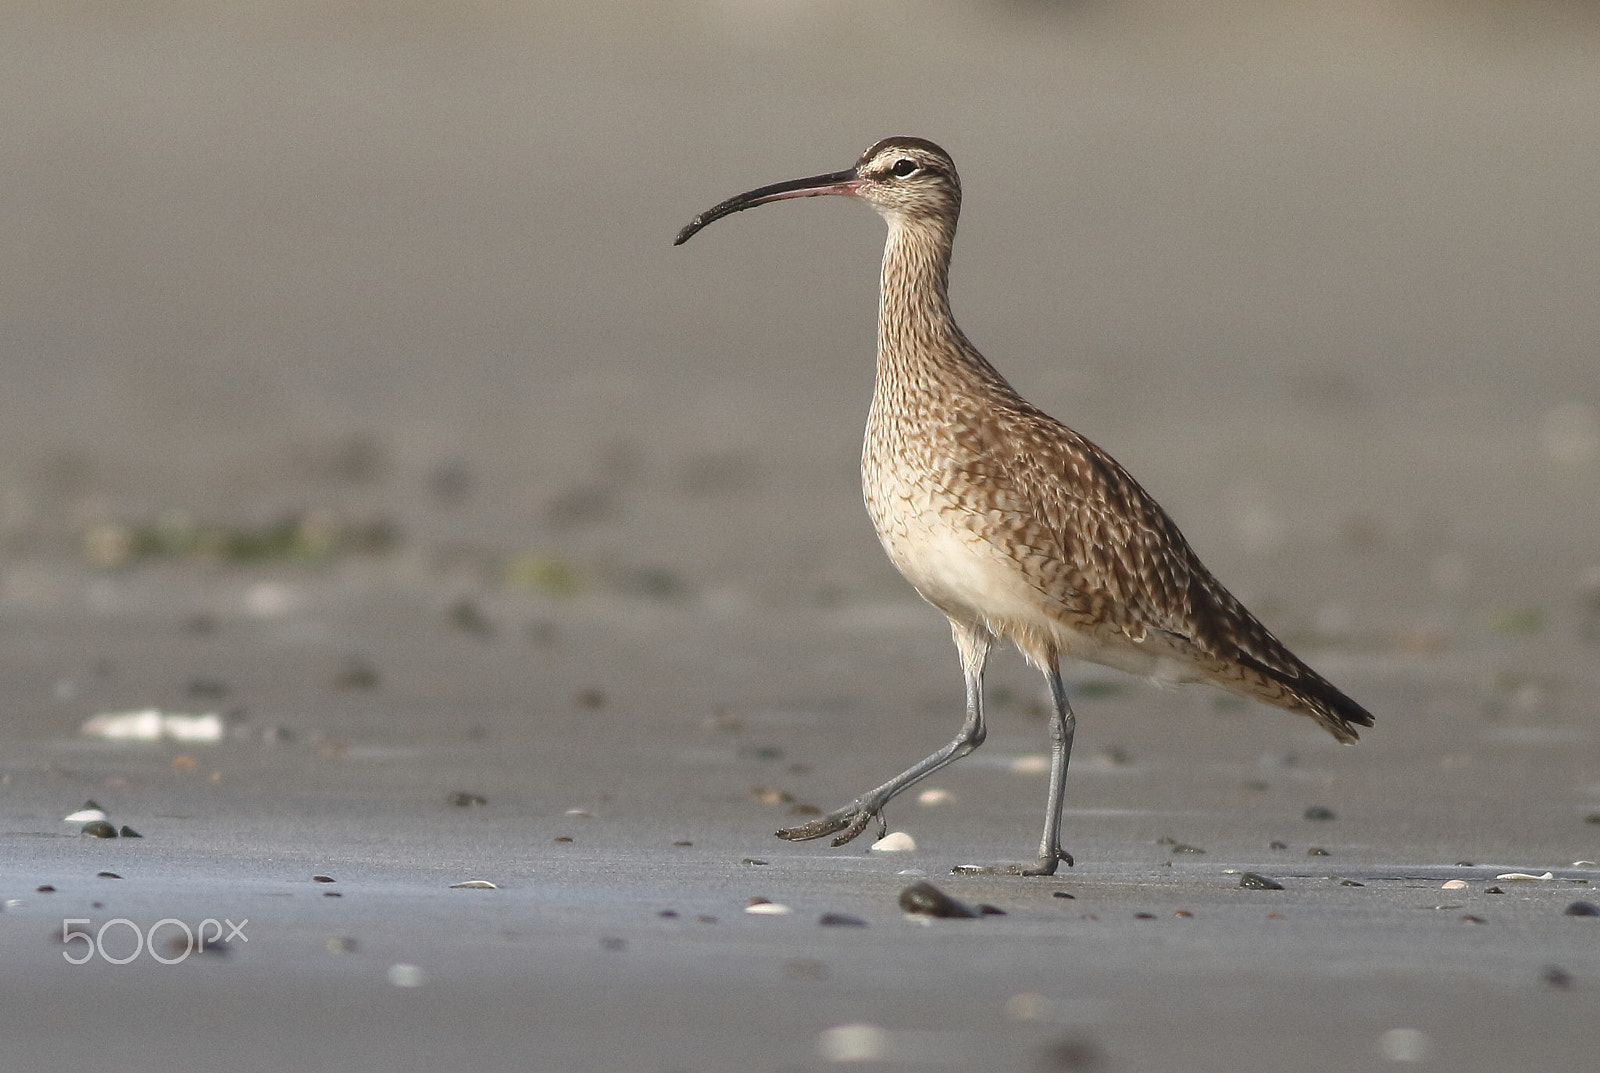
973 641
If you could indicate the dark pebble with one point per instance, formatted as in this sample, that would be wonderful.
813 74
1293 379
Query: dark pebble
1184 913
1277 845
45 889
1465 864
1593 817
1582 909
924 899
462 799
611 942
1069 1054
1184 847
1062 894
356 673
706 918
1470 919
322 879
98 829
1144 916
107 875
563 838
668 914
332 894
129 832
592 698
1317 851
754 861
1350 883
1555 976
1256 881
1493 890
683 842
1318 812
840 920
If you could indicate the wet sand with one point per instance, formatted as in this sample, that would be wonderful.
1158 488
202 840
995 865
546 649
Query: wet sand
576 527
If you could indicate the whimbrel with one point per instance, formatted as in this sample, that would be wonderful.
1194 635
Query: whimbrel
1012 524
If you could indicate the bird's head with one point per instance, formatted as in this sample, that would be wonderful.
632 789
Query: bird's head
903 178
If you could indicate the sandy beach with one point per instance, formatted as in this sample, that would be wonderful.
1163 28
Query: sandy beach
355 395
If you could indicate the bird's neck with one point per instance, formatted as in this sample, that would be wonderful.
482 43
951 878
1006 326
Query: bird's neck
920 348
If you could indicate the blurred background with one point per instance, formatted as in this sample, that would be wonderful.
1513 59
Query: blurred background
390 283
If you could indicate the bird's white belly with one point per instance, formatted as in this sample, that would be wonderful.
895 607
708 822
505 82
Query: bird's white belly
972 580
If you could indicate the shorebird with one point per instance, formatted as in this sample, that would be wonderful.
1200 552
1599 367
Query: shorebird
1012 524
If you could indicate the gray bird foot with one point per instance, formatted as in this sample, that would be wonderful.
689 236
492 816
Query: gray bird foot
1044 866
851 820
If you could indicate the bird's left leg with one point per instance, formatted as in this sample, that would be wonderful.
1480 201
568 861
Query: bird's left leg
1062 724
973 641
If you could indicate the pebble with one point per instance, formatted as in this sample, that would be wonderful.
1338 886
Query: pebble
895 842
840 920
1317 851
924 899
1453 884
613 943
754 862
1184 847
1278 845
402 975
45 889
98 829
129 832
474 884
1319 812
765 907
683 842
321 879
1256 881
107 875
1061 894
1555 976
462 799
1582 909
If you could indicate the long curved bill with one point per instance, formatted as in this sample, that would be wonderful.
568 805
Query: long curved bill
847 183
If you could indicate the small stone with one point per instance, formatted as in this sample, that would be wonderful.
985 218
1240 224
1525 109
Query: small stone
613 944
1061 894
895 842
1582 909
1184 847
1593 817
1277 845
1184 913
840 920
462 799
1555 976
563 838
1465 864
1317 851
924 899
1470 919
1493 890
98 829
129 832
683 842
668 914
332 894
107 875
474 884
766 907
45 888
401 975
591 698
754 862
1256 881
1144 916
1318 812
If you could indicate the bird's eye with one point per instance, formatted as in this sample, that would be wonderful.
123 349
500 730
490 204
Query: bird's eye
904 166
